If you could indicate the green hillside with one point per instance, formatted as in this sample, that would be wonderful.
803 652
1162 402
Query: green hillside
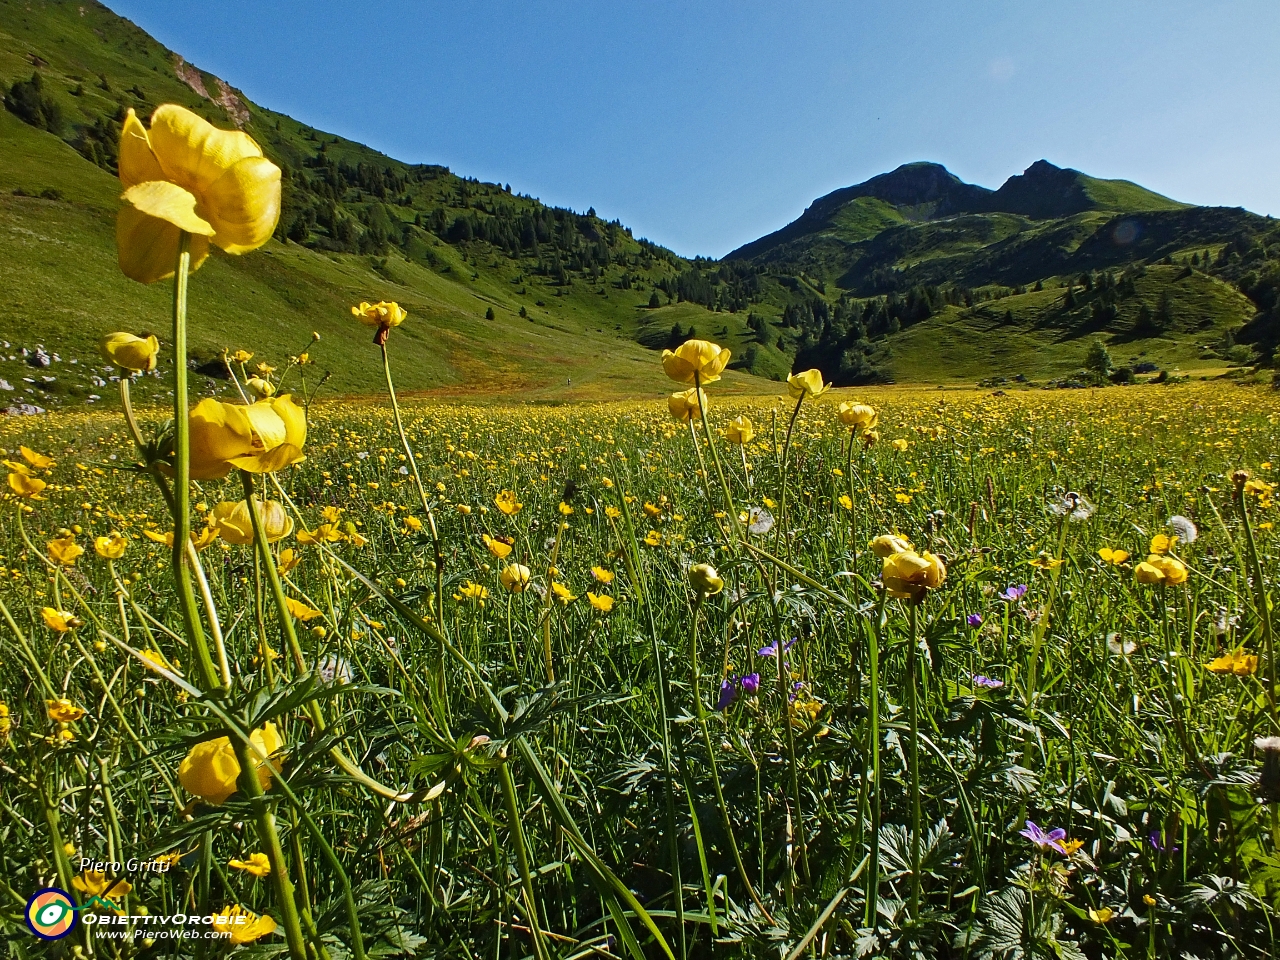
913 274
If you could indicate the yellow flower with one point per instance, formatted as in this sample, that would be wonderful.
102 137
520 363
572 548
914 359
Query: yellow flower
653 539
300 611
1161 569
233 522
129 352
697 361
210 769
684 405
908 575
382 315
499 548
506 502
1162 543
1258 488
260 437
845 501
472 593
6 724
807 384
110 547
59 620
64 551
464 509
257 864
265 369
601 574
1071 846
25 486
1101 915
1237 662
1113 557
185 174
63 711
287 560
901 444
243 925
612 512
37 460
262 389
601 602
562 594
242 356
515 577
705 580
1149 900
858 417
887 544
740 430
1045 561
651 510
565 509
94 883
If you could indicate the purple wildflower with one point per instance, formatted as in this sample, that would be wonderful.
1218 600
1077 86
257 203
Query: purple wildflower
751 684
1013 593
1045 841
772 649
1160 845
974 620
991 684
728 694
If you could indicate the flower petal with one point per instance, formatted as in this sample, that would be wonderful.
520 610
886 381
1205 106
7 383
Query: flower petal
219 433
275 459
168 201
137 163
192 151
244 205
147 247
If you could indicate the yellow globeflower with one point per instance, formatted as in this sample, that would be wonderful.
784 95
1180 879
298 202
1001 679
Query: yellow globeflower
63 711
499 548
740 430
210 769
37 460
506 502
858 417
129 352
1163 543
515 577
110 547
234 524
1237 662
697 361
887 544
602 602
25 486
60 621
684 405
1158 568
243 925
64 550
705 580
94 883
382 315
807 384
260 437
262 389
601 574
258 865
184 174
909 575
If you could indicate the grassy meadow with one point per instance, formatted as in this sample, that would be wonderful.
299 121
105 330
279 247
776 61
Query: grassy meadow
598 756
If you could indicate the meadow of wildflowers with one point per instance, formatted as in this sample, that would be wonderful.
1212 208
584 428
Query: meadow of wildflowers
899 672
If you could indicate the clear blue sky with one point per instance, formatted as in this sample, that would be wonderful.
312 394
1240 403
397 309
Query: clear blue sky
706 125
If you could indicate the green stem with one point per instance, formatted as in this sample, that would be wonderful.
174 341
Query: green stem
522 859
182 470
914 720
782 496
1260 600
422 493
873 734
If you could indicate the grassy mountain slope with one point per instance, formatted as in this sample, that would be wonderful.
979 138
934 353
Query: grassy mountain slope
361 225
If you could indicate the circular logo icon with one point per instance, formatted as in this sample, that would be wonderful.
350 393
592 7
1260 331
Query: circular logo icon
51 914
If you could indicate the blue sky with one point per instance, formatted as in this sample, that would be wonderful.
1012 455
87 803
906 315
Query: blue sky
706 125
